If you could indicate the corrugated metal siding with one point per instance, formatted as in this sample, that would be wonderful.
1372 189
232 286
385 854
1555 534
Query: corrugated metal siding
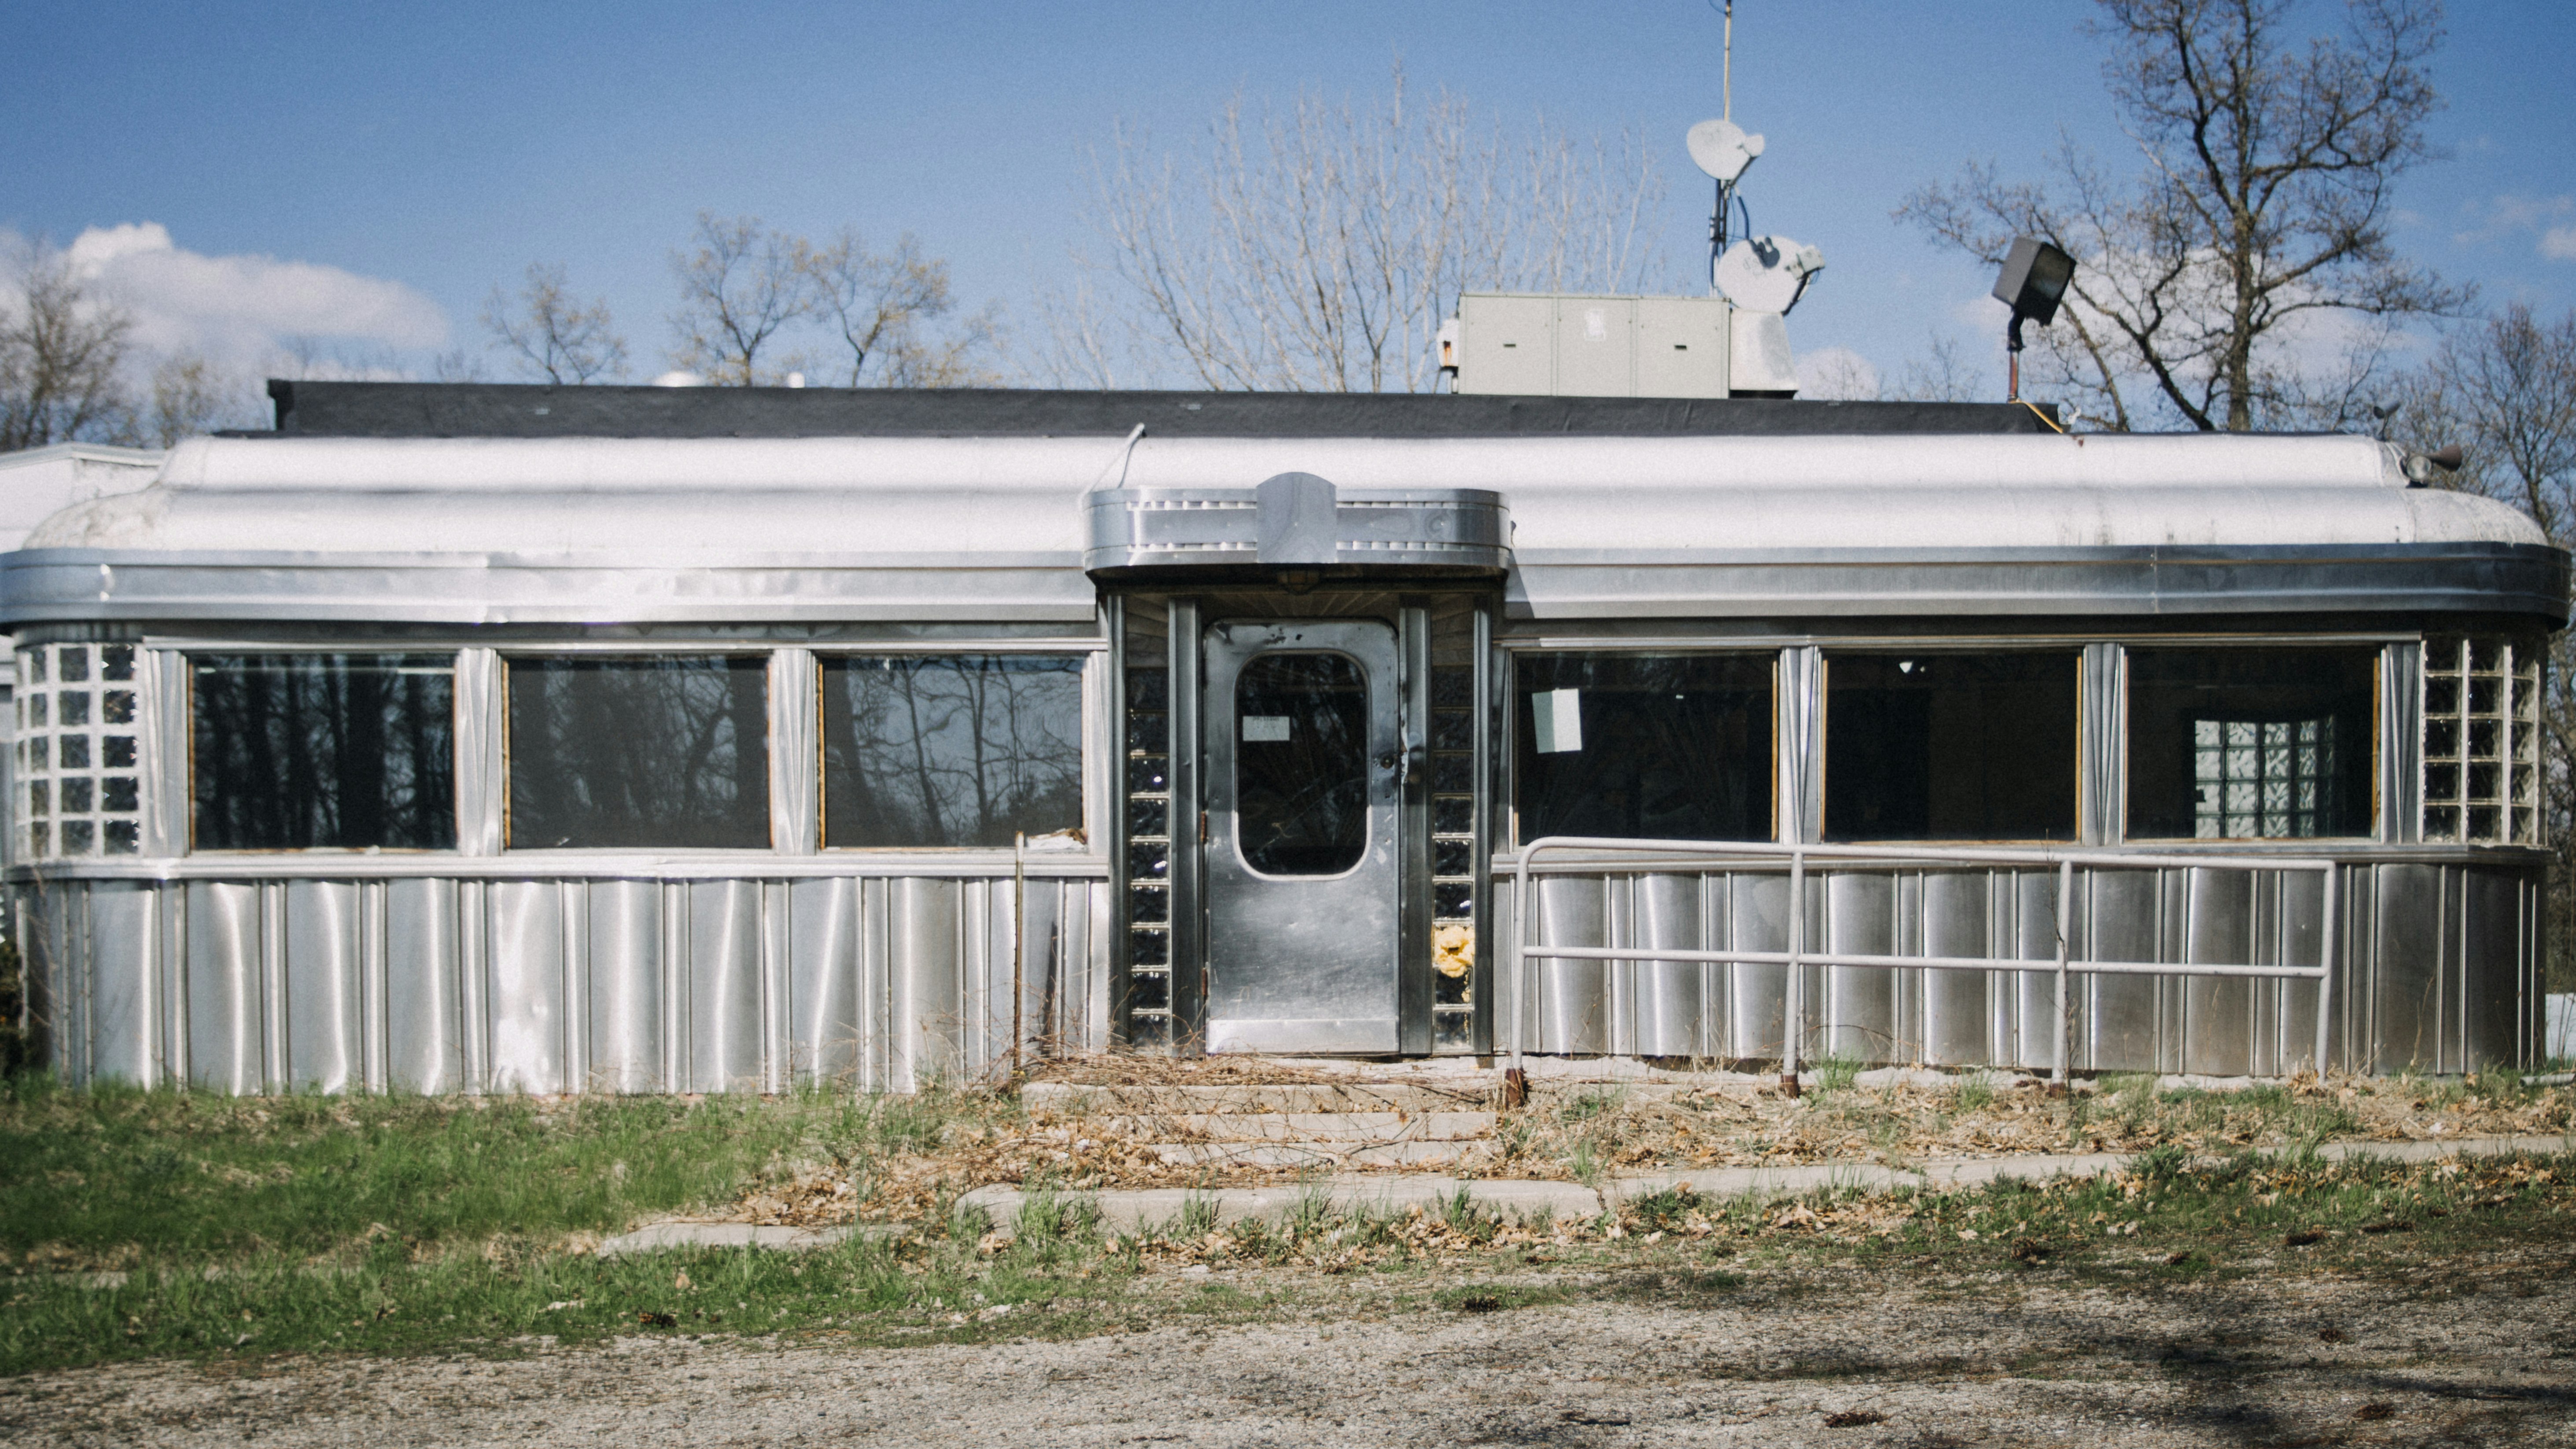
2418 941
545 986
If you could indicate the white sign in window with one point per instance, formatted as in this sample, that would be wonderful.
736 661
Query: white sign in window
1265 729
1557 721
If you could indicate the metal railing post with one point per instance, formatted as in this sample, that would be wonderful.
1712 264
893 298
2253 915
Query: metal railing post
1520 964
1794 1007
2065 932
2326 941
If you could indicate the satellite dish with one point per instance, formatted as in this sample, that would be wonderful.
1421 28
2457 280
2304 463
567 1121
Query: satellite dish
1722 149
1766 273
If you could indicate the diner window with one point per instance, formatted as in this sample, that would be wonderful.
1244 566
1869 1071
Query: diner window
639 752
1951 746
1644 746
941 751
2251 744
320 751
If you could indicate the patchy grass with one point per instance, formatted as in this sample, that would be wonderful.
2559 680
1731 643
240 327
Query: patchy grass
116 1178
155 1224
2169 1222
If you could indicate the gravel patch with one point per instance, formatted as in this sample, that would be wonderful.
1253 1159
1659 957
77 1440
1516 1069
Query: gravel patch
1828 1357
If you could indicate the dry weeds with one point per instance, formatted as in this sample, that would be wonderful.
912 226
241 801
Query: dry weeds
1578 1132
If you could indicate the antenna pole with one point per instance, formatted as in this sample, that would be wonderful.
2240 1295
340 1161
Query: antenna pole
1716 236
1726 69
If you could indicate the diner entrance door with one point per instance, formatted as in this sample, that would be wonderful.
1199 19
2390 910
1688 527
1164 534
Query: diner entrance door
1306 765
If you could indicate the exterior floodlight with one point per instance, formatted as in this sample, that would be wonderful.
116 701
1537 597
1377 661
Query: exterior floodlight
2032 283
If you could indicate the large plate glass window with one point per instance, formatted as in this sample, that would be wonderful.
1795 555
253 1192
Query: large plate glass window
934 751
639 752
1649 746
1935 746
2251 744
322 751
79 786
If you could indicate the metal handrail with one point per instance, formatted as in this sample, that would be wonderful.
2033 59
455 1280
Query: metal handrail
1707 854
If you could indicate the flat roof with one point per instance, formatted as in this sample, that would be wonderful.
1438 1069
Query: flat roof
519 410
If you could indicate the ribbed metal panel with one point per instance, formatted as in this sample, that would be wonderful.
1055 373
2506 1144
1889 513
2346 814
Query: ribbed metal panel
544 986
638 985
2433 967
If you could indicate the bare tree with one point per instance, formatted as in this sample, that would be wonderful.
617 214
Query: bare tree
1942 374
191 395
873 298
881 304
552 334
2258 227
1319 247
740 287
63 350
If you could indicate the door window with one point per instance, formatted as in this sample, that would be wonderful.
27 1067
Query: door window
1301 763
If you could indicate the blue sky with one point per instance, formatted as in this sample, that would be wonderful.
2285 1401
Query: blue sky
412 157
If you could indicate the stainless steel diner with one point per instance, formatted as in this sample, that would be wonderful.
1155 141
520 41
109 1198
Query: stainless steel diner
471 738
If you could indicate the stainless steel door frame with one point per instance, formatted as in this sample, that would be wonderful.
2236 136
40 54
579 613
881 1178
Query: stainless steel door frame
1301 963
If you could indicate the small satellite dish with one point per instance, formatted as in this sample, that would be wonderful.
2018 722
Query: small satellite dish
1766 273
1722 149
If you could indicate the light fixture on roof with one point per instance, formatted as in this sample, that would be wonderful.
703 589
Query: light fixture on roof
2032 283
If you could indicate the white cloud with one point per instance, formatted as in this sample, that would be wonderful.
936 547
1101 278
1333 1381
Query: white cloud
2510 213
1836 374
242 310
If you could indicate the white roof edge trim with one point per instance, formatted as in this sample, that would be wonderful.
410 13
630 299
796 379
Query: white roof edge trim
111 453
1068 465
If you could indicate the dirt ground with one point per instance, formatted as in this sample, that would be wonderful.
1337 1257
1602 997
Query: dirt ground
2472 1353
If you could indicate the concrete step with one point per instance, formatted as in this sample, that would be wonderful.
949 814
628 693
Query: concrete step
1125 1211
1318 1154
1310 1127
1078 1099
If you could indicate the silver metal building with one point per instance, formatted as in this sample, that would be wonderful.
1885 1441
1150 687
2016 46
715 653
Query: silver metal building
472 738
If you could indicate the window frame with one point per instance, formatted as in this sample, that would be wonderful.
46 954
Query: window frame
766 653
1093 675
177 731
2373 810
1507 746
2086 734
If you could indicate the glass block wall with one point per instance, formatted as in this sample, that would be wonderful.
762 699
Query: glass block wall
77 752
1457 862
1453 855
1147 760
2482 740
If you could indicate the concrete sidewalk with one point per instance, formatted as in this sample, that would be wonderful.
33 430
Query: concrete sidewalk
1126 1210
